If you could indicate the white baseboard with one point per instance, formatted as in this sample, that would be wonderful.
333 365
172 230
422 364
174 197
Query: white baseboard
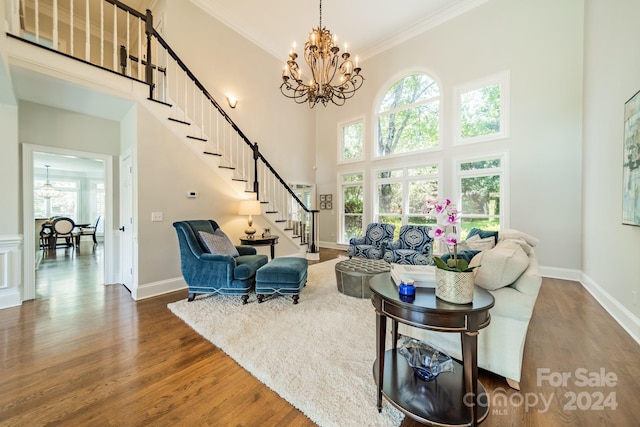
620 313
161 287
9 298
333 245
561 273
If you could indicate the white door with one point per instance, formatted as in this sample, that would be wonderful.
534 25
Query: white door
126 223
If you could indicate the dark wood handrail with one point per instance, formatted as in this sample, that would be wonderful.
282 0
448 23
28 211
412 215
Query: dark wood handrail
127 9
253 146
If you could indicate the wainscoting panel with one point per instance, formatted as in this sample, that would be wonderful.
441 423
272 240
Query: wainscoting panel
10 276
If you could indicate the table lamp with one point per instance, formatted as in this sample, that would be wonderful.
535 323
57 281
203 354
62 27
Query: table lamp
250 207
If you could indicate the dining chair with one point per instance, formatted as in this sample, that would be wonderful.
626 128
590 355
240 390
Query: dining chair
88 230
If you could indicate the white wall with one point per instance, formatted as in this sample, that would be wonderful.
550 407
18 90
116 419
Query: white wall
225 62
612 76
545 140
166 171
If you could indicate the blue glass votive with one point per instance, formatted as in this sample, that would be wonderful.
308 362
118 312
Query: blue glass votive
406 288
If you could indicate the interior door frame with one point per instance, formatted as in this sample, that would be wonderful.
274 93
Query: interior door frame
29 279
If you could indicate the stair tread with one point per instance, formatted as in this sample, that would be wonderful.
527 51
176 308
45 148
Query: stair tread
160 102
195 137
179 121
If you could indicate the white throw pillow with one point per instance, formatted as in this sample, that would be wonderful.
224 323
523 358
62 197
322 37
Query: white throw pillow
475 243
524 245
500 266
515 234
219 243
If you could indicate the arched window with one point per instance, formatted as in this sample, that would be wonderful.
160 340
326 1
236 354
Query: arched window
409 116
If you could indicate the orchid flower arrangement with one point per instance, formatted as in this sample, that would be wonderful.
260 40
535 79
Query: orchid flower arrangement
446 231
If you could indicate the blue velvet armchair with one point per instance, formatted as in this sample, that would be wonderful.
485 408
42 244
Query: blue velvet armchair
207 273
414 246
373 243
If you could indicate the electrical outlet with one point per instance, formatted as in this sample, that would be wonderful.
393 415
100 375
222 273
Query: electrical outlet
156 216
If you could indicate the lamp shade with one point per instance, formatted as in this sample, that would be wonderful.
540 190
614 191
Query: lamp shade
249 207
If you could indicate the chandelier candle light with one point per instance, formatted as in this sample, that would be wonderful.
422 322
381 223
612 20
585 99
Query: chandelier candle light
326 63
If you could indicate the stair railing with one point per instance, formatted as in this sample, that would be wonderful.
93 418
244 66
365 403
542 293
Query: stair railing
129 45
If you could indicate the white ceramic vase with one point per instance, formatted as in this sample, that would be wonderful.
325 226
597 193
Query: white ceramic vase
455 287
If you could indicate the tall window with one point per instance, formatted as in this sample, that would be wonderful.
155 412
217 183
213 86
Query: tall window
64 204
481 186
401 194
351 138
352 209
408 117
483 109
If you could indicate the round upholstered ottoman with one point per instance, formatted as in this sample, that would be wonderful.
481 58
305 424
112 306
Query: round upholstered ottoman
352 275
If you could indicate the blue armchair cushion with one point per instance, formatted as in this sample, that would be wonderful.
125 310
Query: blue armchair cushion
248 265
218 243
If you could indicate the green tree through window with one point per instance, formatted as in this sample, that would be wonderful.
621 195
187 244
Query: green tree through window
409 116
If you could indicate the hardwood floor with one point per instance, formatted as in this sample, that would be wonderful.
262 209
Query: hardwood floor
86 354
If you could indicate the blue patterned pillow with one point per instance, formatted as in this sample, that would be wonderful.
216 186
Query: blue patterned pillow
465 255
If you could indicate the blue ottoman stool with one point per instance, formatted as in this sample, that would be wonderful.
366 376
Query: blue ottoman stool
284 276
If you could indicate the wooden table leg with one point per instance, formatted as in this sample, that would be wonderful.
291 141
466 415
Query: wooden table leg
381 328
470 365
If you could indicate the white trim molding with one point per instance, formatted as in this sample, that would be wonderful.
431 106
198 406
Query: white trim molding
10 276
624 317
160 287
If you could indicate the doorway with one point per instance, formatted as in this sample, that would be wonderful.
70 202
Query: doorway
95 165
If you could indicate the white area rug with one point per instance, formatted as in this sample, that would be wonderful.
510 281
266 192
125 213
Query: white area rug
318 355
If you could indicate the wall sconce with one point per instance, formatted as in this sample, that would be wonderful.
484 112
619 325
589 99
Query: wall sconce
232 101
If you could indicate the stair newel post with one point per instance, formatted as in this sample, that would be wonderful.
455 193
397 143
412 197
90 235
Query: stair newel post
148 29
313 248
256 155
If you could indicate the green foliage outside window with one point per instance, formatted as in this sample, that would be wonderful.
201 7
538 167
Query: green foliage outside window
480 112
409 116
481 195
352 141
352 196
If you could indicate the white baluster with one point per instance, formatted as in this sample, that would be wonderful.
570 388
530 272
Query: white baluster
218 133
101 33
55 24
15 16
71 27
140 35
115 38
36 10
87 29
126 61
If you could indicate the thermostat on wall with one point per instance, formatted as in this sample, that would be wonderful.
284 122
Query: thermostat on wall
192 194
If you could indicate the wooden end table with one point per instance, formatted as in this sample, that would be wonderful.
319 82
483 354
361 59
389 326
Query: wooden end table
451 398
261 241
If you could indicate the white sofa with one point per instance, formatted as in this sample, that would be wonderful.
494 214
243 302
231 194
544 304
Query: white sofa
511 273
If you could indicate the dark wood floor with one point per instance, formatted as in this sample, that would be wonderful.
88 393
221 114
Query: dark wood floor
86 354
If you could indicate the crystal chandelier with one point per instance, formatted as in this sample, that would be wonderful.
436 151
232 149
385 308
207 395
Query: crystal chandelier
47 191
322 56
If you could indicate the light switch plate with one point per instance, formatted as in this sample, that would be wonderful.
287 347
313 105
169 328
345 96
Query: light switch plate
156 216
